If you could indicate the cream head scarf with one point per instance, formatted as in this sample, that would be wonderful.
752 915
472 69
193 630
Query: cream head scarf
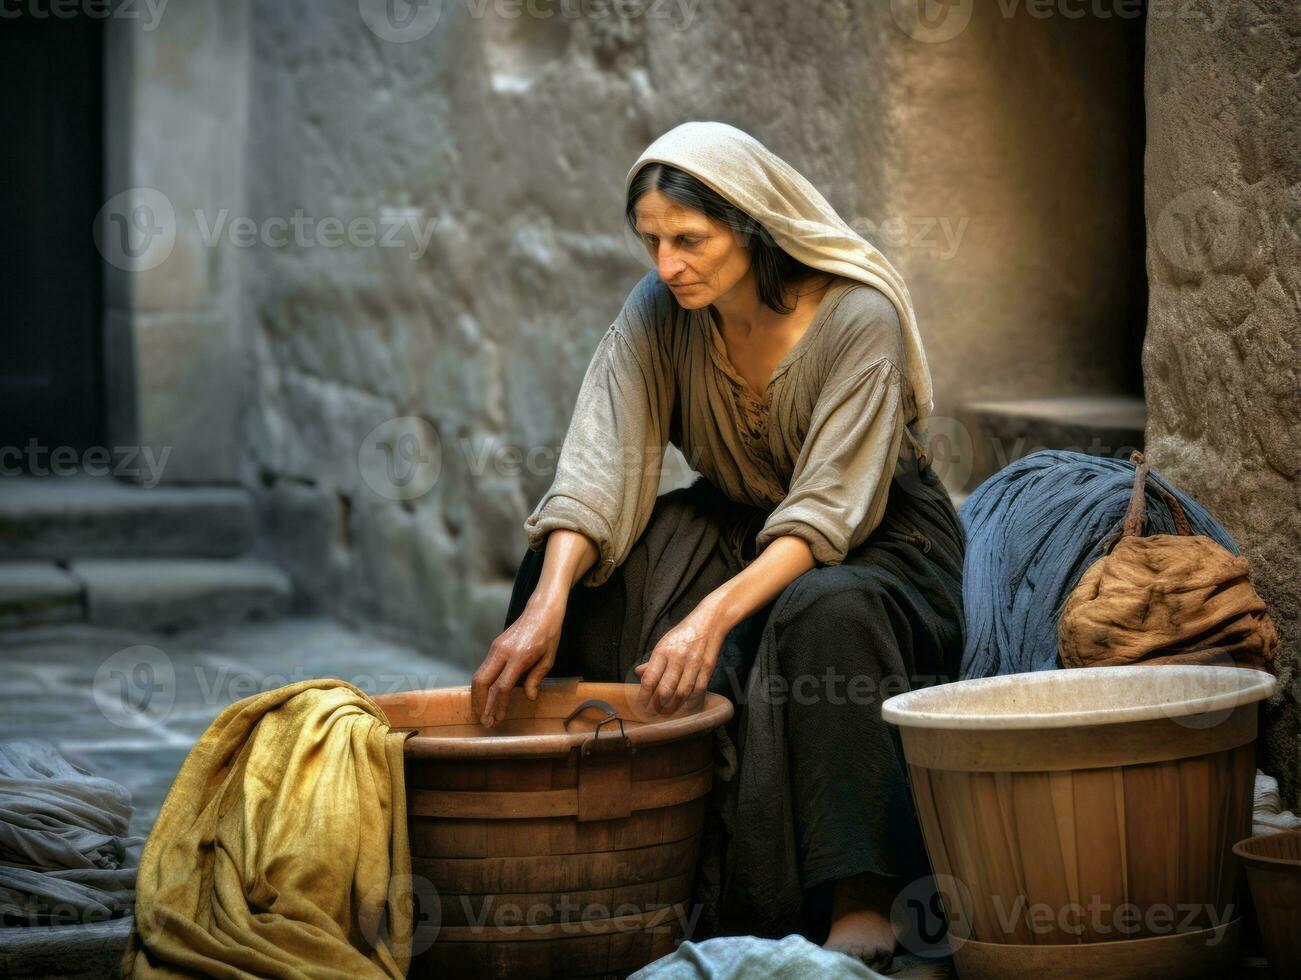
766 187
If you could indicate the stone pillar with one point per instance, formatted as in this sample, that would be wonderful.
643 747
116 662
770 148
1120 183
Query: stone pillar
1222 359
176 104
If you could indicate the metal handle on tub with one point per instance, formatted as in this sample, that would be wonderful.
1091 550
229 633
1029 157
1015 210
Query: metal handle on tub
596 744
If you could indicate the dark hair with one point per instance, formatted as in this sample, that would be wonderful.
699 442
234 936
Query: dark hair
774 268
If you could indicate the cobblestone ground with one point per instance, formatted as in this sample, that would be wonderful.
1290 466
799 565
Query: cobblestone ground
129 706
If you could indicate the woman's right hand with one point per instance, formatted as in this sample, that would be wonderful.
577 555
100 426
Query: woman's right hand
527 648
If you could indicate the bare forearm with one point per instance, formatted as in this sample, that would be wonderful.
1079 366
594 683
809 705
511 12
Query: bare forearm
785 559
567 557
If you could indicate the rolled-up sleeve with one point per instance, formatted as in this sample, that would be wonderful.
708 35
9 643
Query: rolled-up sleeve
842 476
608 471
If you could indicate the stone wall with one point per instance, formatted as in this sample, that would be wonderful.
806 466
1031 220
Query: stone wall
408 400
1222 359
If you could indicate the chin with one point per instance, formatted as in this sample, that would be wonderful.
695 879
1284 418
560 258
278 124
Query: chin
694 300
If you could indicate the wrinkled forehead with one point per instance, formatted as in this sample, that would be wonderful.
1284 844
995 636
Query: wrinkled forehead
656 211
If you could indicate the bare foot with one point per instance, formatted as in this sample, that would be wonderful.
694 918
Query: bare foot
860 921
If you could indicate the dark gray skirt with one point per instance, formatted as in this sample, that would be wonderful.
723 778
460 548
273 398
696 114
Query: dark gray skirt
814 789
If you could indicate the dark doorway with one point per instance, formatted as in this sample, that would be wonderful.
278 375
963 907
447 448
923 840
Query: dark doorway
51 165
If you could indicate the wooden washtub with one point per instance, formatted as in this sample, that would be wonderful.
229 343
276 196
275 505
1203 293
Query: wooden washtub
554 851
1080 822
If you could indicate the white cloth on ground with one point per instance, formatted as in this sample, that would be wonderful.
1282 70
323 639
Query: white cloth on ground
63 838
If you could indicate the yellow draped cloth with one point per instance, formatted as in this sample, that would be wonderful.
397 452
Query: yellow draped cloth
281 849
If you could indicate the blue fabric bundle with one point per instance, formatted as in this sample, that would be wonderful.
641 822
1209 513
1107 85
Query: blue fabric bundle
1033 528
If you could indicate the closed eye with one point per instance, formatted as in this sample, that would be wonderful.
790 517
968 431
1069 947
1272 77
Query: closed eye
690 241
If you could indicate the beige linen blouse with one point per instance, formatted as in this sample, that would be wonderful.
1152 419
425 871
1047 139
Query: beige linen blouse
820 449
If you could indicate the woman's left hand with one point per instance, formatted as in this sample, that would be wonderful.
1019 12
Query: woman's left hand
683 660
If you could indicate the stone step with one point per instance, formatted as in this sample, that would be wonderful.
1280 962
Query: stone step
1004 431
34 593
99 517
165 595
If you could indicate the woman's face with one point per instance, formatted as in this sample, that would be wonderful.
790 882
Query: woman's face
698 258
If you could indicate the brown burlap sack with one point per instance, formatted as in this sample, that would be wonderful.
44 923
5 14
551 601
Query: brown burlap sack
1166 598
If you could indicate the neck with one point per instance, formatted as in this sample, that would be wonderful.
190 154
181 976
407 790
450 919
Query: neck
743 312
740 307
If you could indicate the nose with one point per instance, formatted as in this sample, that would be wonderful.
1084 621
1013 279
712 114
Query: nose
668 263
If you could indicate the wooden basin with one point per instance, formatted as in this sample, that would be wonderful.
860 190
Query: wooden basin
1274 871
1081 822
554 849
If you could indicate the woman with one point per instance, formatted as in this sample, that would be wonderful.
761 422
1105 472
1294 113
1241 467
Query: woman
815 567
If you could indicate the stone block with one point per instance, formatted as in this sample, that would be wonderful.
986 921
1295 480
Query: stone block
174 594
33 593
58 517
